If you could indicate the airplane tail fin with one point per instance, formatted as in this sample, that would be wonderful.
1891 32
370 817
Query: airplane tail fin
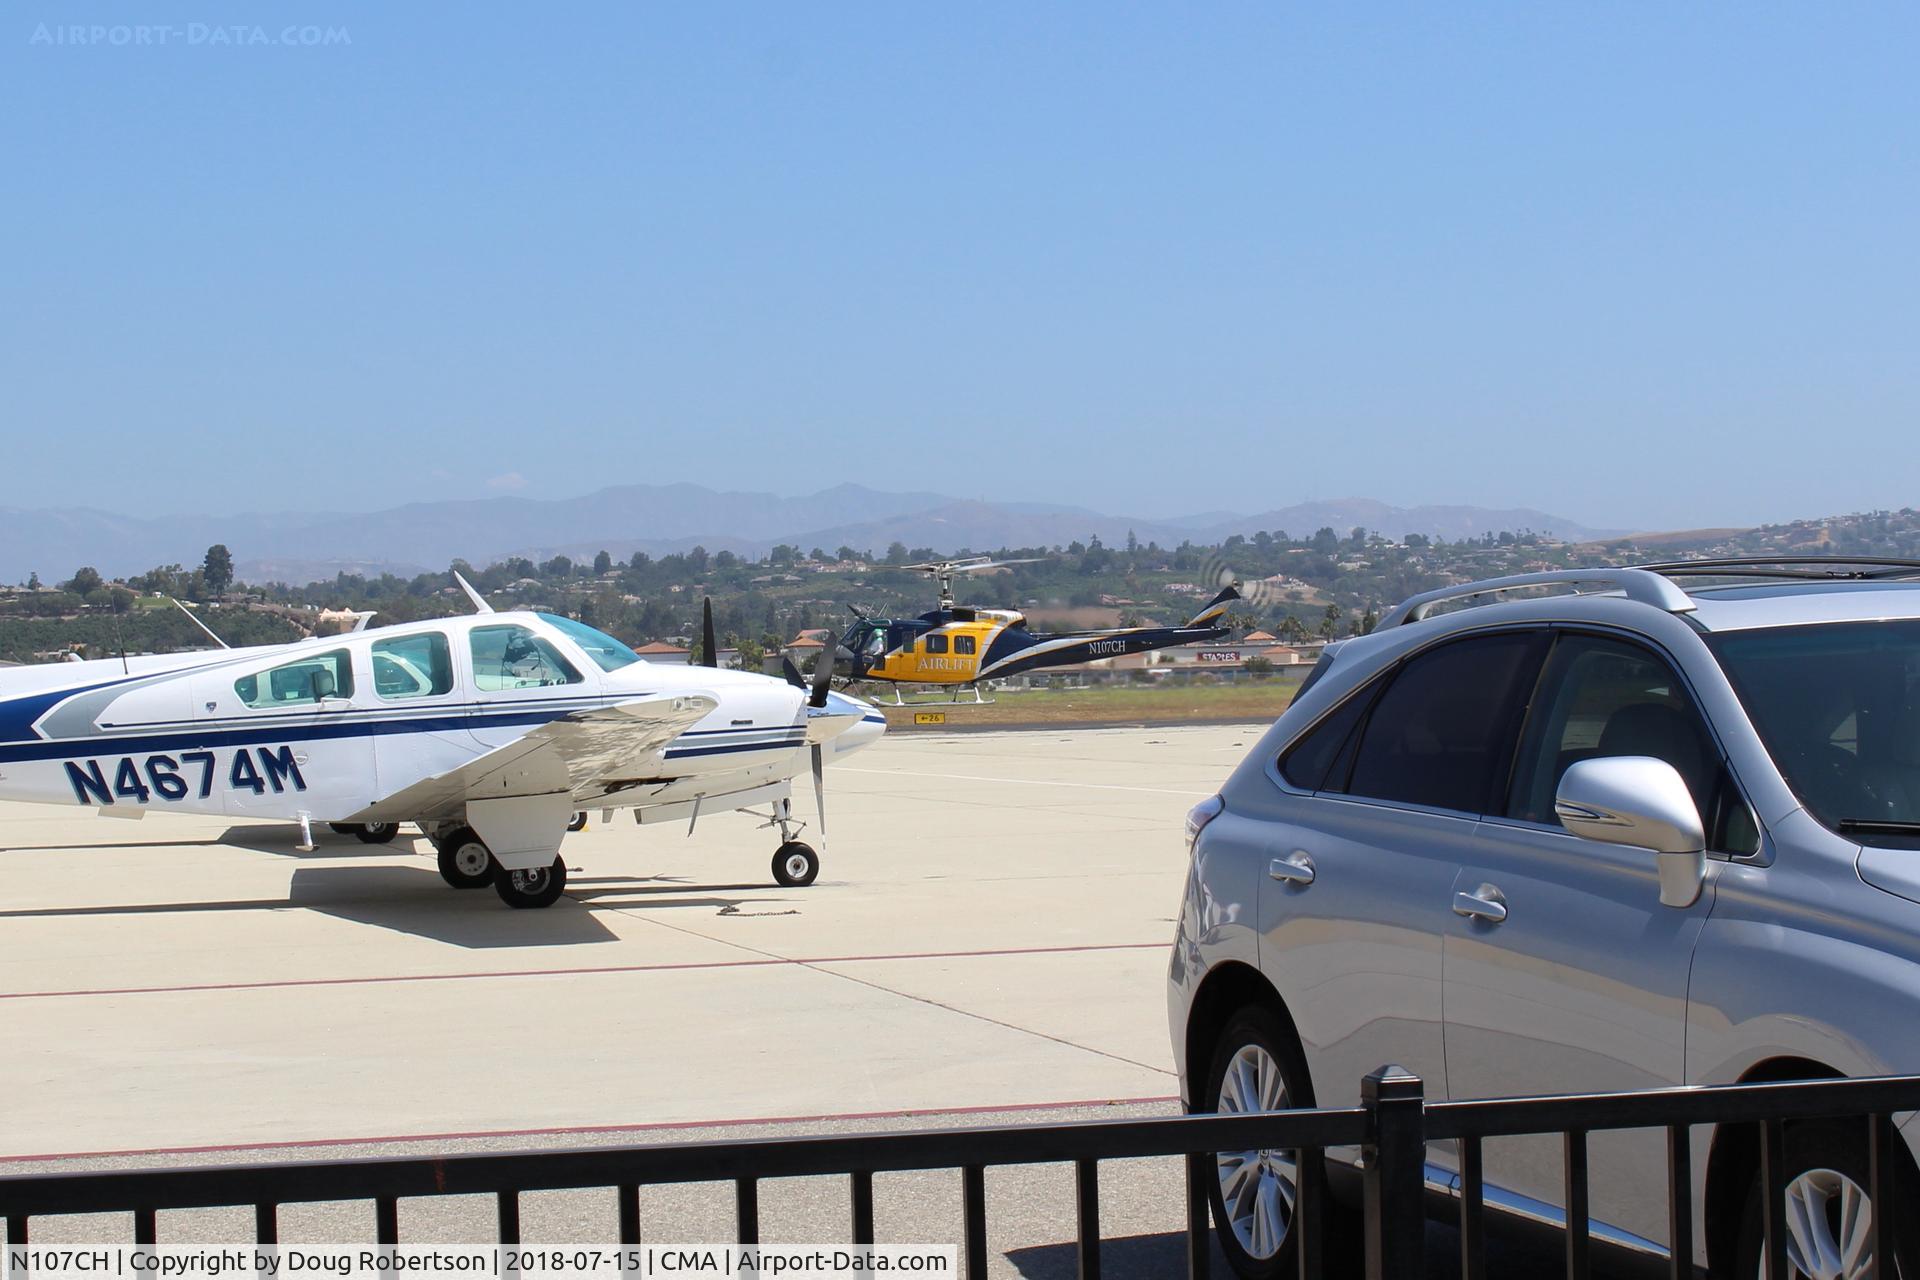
1216 609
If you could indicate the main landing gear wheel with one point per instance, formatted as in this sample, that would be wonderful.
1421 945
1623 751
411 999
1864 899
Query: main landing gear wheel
465 862
540 887
795 865
578 822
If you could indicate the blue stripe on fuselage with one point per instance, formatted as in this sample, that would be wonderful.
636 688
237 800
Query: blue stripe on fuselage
325 726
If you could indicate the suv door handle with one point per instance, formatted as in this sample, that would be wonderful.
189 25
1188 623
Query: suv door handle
1295 868
1485 903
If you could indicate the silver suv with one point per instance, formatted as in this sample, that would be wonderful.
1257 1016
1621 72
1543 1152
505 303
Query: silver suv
1657 828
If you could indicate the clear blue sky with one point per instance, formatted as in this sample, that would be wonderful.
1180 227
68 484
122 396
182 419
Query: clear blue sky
1649 265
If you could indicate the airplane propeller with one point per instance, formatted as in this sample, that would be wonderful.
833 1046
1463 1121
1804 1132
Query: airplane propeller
709 647
822 678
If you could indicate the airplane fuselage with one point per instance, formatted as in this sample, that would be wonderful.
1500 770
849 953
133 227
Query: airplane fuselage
331 728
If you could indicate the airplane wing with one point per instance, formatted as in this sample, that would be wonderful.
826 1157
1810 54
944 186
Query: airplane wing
588 751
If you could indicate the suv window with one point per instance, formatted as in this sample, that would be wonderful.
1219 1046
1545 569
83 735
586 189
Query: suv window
1440 732
1604 697
1838 707
1310 762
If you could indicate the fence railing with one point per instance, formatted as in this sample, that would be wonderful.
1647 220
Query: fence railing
1392 1126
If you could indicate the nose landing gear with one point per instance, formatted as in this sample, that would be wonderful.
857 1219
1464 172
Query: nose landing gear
795 864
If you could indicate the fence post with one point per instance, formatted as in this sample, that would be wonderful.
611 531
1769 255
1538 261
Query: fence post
1395 1183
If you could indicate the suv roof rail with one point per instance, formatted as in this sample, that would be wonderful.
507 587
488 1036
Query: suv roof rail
1636 583
1865 568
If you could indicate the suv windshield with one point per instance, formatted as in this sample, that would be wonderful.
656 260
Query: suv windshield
1838 706
609 653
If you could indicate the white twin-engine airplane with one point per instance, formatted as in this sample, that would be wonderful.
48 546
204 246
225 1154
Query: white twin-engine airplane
490 731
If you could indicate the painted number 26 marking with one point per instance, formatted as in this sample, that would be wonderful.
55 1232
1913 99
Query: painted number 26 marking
173 777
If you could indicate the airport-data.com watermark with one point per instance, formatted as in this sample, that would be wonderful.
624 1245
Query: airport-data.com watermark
187 35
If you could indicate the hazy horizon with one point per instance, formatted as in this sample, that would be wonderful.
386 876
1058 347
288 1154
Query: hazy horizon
1643 268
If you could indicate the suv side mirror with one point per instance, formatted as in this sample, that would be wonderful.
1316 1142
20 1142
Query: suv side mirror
1643 802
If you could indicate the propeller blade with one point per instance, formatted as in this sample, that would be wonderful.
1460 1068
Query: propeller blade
822 677
820 790
792 673
709 647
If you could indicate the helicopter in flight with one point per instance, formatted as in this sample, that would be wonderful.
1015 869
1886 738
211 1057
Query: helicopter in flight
961 645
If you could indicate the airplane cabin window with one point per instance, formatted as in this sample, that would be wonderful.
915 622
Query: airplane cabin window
936 644
301 683
609 653
412 667
512 657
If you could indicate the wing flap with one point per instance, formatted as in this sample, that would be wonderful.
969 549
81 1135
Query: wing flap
568 754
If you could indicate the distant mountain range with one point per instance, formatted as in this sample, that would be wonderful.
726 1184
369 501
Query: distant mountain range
659 519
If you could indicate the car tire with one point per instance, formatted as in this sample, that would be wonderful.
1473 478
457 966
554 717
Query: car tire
1262 1057
1826 1176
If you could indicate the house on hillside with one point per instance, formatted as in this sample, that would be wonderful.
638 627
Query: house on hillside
659 651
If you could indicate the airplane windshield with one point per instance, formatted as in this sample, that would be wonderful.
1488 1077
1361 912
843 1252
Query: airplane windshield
609 653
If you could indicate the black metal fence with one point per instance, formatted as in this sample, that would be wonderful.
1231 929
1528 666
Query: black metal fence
1393 1126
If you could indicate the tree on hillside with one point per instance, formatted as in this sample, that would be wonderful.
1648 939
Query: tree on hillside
33 581
602 563
84 582
218 569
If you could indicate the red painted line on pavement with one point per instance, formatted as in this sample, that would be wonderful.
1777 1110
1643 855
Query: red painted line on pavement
572 972
661 1126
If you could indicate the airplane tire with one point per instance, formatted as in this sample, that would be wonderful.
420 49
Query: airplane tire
578 822
376 832
795 865
465 863
343 828
540 887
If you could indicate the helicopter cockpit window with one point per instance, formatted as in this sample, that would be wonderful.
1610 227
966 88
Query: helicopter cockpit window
875 644
511 657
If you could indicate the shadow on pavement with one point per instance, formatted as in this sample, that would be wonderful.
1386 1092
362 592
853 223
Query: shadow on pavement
1152 1257
1157 1257
283 838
